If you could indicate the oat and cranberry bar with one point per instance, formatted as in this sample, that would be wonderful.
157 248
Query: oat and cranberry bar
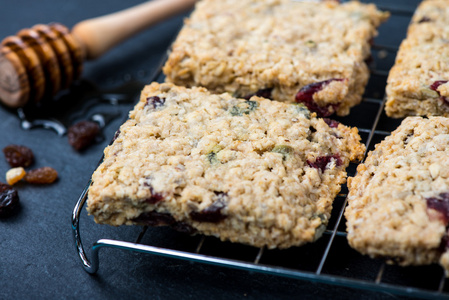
399 200
255 171
418 82
309 52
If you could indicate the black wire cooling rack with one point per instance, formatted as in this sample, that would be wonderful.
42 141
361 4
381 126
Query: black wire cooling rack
330 260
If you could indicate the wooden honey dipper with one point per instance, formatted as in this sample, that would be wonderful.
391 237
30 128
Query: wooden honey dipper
40 61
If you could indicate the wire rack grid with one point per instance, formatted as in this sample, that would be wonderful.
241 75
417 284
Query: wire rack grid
330 260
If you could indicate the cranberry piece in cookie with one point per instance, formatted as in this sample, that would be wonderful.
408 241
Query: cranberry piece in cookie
321 162
264 93
212 213
155 102
435 86
440 204
305 95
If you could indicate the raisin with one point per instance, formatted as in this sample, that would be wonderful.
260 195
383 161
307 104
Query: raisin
321 162
14 175
244 108
9 200
440 204
264 93
18 156
331 123
155 101
212 213
305 95
435 86
83 134
42 175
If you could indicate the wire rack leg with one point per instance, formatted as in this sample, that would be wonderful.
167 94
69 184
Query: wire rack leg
89 266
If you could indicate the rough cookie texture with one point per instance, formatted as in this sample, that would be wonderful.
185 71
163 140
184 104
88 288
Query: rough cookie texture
417 83
277 48
256 171
399 200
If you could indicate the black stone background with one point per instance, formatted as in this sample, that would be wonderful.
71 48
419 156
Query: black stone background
37 253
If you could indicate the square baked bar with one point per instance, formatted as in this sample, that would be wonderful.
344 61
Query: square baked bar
399 200
417 83
309 52
259 172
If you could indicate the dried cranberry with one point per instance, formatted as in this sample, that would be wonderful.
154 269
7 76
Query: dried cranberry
305 95
435 86
83 134
155 197
221 196
183 227
322 161
116 134
440 204
42 175
369 60
444 244
264 93
331 123
155 101
424 19
18 156
9 200
212 214
153 218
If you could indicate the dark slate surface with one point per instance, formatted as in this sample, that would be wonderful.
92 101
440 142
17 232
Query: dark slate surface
37 253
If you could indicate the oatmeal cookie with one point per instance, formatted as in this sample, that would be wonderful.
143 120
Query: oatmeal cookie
313 53
398 203
418 82
255 171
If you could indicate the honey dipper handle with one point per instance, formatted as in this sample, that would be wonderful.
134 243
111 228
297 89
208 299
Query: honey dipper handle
98 35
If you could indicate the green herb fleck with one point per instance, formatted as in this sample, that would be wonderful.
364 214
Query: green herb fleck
427 93
212 155
302 109
212 158
311 44
284 150
244 108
